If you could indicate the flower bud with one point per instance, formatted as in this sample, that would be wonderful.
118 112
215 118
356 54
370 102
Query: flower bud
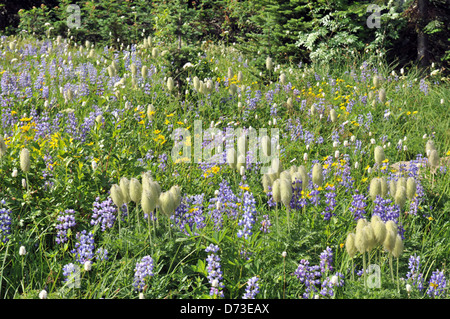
43 294
87 265
22 251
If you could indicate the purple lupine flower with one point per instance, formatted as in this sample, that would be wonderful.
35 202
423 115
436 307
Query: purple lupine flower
224 204
309 276
330 201
252 288
328 285
190 214
69 271
143 270
66 221
84 248
214 271
326 260
438 284
358 205
101 254
414 276
248 216
265 224
104 213
5 224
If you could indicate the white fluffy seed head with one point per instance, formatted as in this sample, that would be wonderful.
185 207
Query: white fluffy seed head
276 191
384 186
333 115
350 245
135 190
116 195
370 237
285 191
166 202
317 174
266 182
2 146
232 158
411 188
398 246
392 187
382 95
148 201
429 146
391 226
176 192
25 162
170 84
361 223
434 158
389 241
361 240
124 184
379 231
400 196
375 188
379 155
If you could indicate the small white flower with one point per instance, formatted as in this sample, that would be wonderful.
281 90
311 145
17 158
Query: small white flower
24 183
141 295
336 154
215 283
43 294
356 165
14 172
284 254
87 265
345 143
305 157
408 288
334 280
22 251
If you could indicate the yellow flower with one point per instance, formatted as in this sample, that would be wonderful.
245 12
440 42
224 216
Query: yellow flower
180 123
26 119
341 245
171 114
215 169
430 218
364 179
141 122
156 131
244 188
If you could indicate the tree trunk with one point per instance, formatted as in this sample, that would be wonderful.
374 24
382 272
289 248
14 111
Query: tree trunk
422 37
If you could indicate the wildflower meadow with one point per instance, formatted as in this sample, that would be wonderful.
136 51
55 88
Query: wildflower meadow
126 174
